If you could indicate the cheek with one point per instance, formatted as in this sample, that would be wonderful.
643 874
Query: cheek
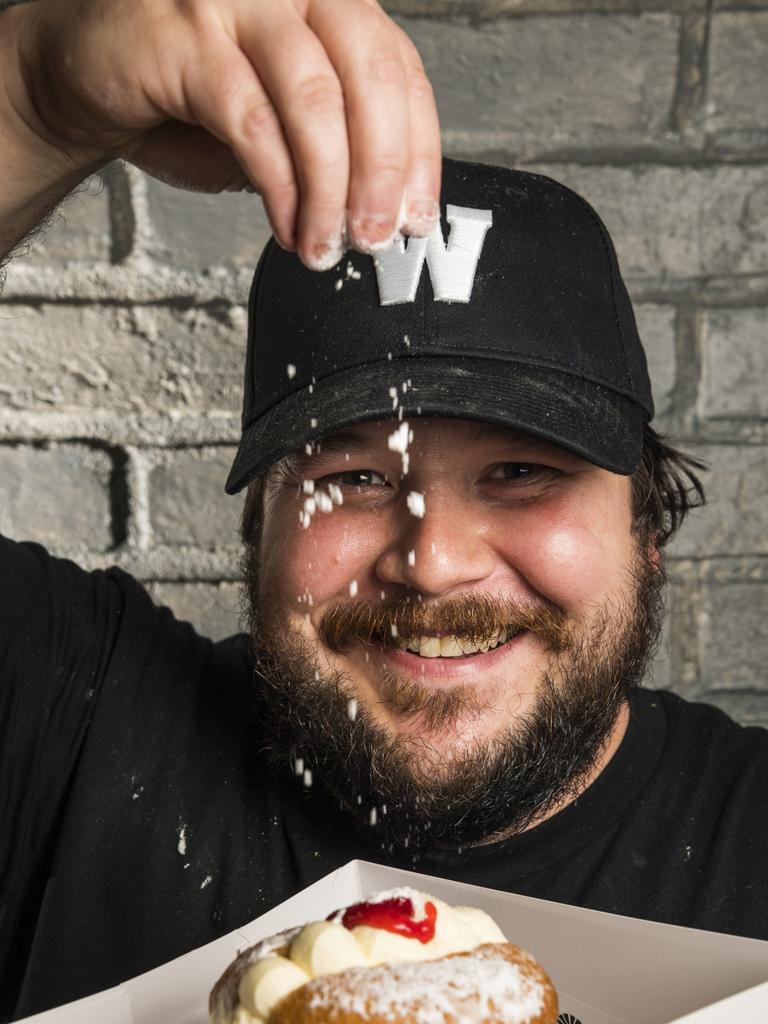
573 564
577 555
321 561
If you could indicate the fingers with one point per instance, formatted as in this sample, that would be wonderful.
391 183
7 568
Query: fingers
308 98
422 188
363 46
359 119
225 95
328 111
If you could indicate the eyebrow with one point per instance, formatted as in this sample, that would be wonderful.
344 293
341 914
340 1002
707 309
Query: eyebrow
343 441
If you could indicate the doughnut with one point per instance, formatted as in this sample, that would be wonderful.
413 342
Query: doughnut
400 957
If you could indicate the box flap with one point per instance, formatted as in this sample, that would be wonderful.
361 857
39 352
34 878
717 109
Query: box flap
111 1005
177 992
750 1007
607 969
636 971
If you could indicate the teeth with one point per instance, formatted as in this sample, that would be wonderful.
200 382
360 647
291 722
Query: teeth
429 647
449 646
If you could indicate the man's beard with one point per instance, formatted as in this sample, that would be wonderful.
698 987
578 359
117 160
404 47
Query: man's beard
397 788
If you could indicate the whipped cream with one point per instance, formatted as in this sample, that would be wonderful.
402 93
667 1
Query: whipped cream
327 947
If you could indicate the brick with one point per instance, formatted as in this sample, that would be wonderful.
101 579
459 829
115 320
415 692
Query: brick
738 75
142 360
665 671
676 222
656 325
587 79
734 640
57 496
79 230
212 608
734 364
659 675
735 519
187 503
197 231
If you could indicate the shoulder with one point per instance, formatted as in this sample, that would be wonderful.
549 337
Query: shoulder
701 723
707 750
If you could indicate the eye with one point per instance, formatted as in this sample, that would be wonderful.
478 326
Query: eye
357 479
523 472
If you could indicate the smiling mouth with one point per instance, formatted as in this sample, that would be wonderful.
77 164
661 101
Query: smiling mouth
453 646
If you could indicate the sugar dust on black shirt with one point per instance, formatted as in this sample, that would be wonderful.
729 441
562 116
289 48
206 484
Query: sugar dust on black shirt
141 818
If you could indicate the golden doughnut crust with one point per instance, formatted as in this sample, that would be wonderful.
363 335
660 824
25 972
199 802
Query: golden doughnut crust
496 983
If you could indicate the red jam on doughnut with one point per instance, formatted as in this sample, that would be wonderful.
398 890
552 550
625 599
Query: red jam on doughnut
393 915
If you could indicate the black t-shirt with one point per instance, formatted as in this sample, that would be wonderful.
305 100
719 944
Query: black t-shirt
140 818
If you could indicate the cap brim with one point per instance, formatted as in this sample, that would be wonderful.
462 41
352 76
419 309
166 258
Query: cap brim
586 418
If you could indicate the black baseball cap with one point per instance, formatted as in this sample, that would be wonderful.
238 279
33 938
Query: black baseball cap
515 313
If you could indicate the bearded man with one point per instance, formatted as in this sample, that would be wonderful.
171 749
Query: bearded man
454 529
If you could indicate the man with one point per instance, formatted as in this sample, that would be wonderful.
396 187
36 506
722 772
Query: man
454 529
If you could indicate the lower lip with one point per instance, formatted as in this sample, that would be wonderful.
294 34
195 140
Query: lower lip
436 668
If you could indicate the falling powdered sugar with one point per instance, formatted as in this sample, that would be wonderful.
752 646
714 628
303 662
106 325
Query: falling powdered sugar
416 503
335 493
324 502
475 988
399 441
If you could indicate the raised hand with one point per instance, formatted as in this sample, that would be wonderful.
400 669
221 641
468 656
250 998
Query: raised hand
321 106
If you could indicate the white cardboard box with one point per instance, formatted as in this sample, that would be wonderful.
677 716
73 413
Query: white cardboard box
607 969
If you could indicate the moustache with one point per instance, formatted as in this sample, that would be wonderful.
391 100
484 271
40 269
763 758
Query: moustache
477 617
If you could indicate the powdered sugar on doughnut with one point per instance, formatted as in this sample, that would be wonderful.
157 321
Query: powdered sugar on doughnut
472 988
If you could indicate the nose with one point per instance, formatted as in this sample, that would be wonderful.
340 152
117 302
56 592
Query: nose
446 549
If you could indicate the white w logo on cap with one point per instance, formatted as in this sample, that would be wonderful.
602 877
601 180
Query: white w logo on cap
451 268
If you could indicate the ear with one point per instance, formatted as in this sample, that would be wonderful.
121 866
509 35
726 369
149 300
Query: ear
653 552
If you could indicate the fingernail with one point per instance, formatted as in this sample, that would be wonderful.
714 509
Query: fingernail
371 233
421 215
324 255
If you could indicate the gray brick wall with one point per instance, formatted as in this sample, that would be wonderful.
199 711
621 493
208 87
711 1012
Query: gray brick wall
122 331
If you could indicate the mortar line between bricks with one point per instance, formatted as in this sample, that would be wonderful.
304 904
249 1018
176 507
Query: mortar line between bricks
488 14
138 532
692 72
704 563
693 291
505 148
737 8
736 691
